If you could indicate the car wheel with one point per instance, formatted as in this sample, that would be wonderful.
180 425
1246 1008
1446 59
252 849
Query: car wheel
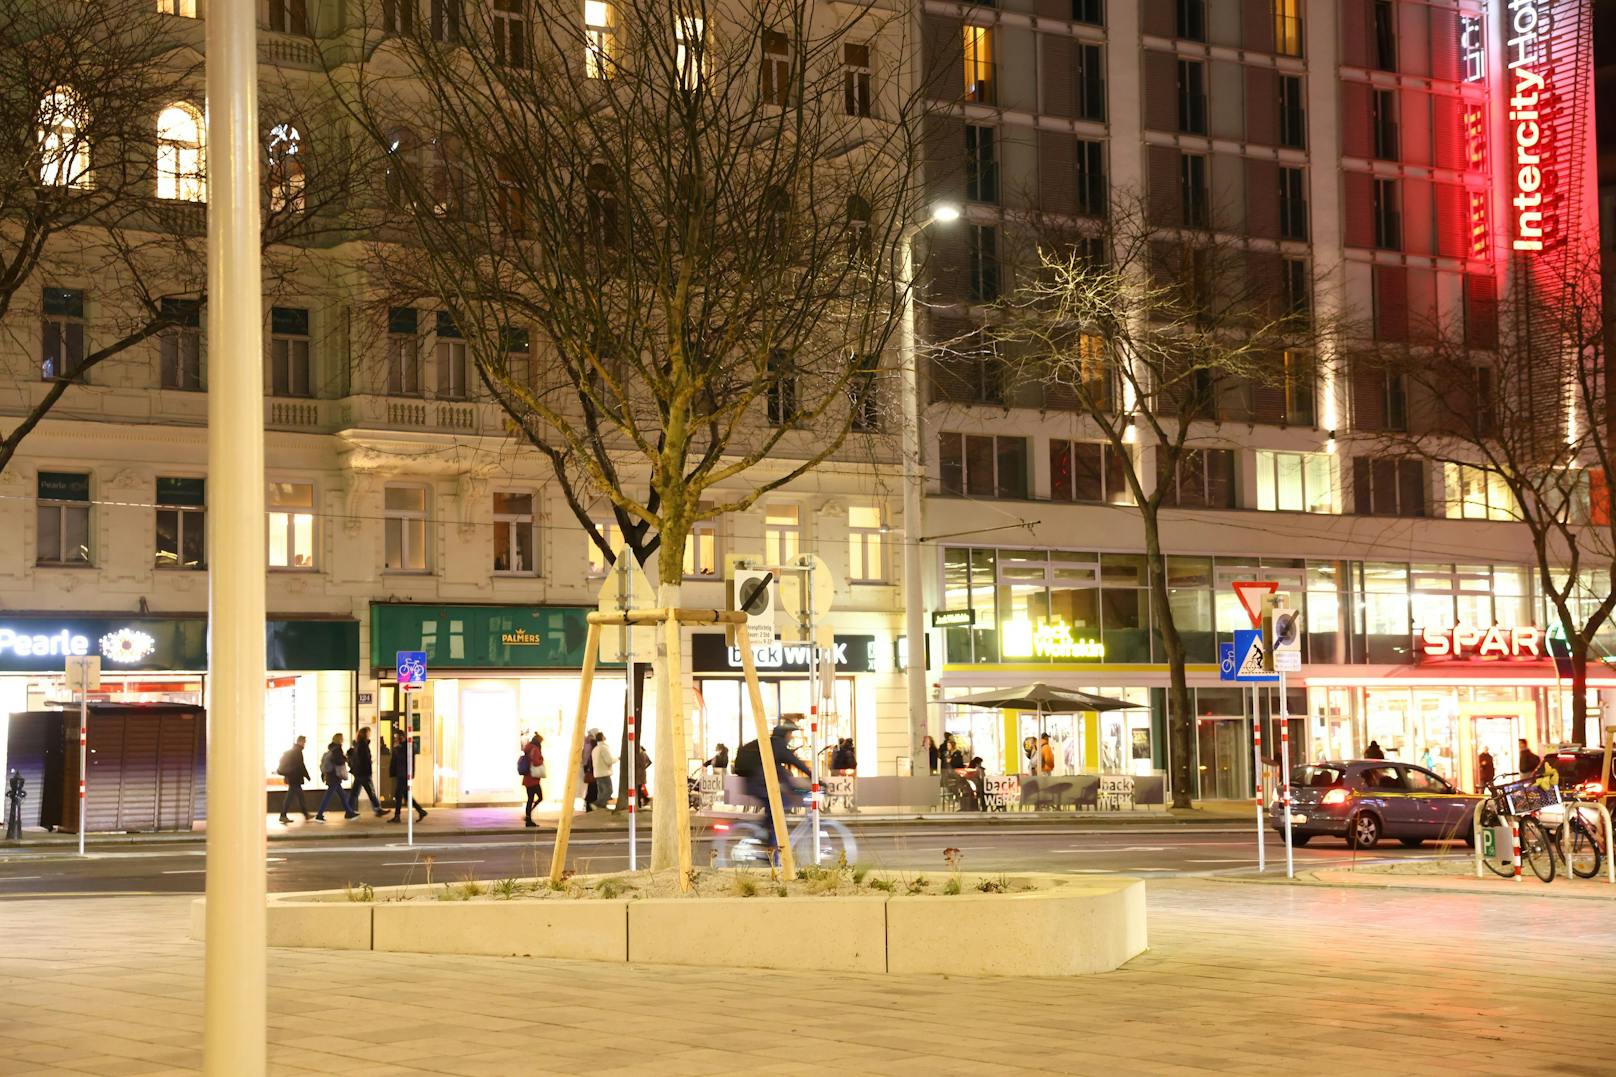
1299 840
1411 843
1363 831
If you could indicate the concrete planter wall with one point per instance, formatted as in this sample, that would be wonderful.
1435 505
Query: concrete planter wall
1070 927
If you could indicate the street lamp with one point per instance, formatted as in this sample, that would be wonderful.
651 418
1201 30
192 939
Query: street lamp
913 476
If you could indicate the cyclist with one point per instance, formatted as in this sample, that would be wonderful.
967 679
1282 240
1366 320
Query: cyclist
749 765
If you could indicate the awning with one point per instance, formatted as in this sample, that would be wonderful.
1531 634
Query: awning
1496 674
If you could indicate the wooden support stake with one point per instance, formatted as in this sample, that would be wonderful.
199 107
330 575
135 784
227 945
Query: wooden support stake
569 789
676 716
771 775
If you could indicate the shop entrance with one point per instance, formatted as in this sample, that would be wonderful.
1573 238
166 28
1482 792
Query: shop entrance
1493 727
401 711
1223 751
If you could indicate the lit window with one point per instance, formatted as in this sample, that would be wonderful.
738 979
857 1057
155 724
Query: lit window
866 545
782 534
180 155
978 51
285 174
1288 27
405 525
291 525
701 549
600 39
514 535
183 8
64 519
1297 482
597 560
689 47
64 151
1477 493
181 523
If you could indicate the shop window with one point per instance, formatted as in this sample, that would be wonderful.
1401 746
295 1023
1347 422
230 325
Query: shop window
515 534
181 523
403 352
405 524
1296 482
1476 493
180 345
701 549
1204 478
289 352
866 545
1087 471
63 525
980 465
608 529
61 350
1386 608
291 525
451 356
782 533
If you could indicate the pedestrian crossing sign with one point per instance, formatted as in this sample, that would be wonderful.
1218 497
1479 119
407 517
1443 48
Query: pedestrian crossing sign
1248 655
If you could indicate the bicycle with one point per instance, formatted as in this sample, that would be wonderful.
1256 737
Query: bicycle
743 841
1587 852
1522 800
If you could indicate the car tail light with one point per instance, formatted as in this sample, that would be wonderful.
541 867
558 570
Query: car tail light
1593 789
720 826
1335 796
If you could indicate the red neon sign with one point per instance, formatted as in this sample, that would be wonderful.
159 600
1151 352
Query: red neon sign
1529 128
1473 641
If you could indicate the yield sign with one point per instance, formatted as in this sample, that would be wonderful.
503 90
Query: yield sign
1250 593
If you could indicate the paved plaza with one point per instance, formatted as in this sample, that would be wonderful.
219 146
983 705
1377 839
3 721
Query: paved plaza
1240 978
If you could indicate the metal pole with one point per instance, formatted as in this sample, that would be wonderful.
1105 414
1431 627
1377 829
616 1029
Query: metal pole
914 614
1285 776
1257 771
408 807
813 708
633 765
84 741
234 988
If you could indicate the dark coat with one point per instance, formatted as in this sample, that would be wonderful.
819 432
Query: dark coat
398 766
293 768
360 761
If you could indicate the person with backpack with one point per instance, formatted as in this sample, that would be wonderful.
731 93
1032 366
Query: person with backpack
749 767
530 765
334 772
362 765
293 768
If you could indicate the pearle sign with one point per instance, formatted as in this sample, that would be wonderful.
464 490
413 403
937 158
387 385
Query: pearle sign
41 644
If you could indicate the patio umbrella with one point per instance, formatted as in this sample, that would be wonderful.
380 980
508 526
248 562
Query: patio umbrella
1044 698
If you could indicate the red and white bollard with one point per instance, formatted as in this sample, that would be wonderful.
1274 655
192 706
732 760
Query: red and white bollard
1257 770
1515 845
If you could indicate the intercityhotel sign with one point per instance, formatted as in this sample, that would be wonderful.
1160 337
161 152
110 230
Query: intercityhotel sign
1529 26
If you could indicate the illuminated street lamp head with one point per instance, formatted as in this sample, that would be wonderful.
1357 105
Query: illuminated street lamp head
944 212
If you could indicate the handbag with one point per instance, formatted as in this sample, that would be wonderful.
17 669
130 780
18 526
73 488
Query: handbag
541 773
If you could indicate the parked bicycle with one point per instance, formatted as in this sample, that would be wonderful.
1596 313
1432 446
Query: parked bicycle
1522 799
1578 836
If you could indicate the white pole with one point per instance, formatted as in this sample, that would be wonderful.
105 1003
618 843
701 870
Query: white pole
234 989
84 741
813 704
1285 776
1257 771
914 613
633 756
408 807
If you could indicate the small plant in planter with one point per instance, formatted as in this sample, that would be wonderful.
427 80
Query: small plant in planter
883 884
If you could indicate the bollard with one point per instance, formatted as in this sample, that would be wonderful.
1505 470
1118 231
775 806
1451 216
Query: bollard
1515 845
15 792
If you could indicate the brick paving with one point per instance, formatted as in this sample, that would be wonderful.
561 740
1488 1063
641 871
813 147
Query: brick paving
1239 979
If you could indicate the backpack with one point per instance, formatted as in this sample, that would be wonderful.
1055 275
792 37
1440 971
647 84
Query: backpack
524 764
748 760
287 766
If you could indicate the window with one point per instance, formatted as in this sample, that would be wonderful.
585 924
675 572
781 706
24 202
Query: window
982 257
979 80
1193 190
180 345
1093 195
1476 493
1087 471
600 39
1288 27
62 340
1296 482
181 523
689 51
284 176
605 218
597 560
1205 479
1192 19
451 355
64 519
1192 97
1096 381
701 549
1388 218
1292 204
775 80
1089 82
183 8
1292 113
981 164
510 33
398 16
781 395
856 74
1299 386
291 525
1385 35
1394 396
405 529
446 19
1384 116
1388 487
979 465
1089 11
403 353
518 356
1298 284
289 16
64 151
515 537
782 533
289 352
866 545
180 155
864 394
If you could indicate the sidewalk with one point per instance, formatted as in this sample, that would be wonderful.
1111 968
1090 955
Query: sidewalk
508 820
1459 877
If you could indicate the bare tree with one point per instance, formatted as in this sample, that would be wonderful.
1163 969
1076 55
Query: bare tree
1512 404
1155 336
667 233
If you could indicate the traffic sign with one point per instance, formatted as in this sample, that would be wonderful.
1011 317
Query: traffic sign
753 595
411 666
83 673
1226 662
1282 633
626 588
1251 594
1248 658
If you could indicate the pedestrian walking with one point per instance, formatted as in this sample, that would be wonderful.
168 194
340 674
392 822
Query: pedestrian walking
602 759
587 772
362 765
929 745
398 767
1529 759
531 767
642 763
1484 769
1374 751
296 772
334 772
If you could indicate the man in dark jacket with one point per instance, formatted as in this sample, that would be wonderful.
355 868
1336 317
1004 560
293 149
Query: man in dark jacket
1529 759
363 767
296 772
398 766
757 785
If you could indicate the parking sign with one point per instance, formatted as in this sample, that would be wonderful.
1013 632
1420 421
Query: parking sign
411 669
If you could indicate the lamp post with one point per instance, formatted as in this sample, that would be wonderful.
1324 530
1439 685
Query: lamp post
914 611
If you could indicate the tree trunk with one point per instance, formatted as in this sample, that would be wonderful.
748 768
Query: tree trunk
1579 689
1180 726
665 785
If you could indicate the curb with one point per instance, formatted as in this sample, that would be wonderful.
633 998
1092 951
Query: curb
1389 881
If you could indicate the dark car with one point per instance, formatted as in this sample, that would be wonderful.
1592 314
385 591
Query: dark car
1365 800
1578 769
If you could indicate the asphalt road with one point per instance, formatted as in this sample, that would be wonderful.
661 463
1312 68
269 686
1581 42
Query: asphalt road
1150 851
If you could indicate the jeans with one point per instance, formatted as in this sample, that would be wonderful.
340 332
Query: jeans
535 794
294 792
603 792
399 793
342 800
365 784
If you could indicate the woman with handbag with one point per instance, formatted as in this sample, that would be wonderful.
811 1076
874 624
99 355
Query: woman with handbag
533 776
334 772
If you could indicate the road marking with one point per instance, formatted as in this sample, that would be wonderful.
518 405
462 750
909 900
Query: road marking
19 878
188 871
422 863
1226 860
